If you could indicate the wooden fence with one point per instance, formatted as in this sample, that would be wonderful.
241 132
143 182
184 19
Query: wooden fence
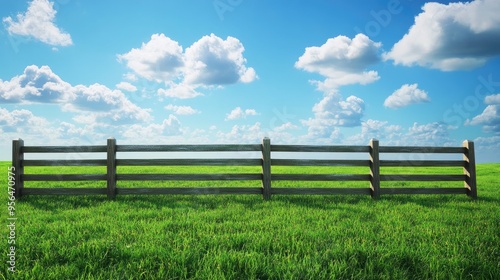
266 177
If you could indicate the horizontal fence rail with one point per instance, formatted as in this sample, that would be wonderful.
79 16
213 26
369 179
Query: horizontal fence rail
263 180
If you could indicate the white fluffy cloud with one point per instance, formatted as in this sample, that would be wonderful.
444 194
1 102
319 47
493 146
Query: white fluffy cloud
214 61
38 23
490 117
106 104
434 134
243 134
375 129
11 121
182 110
126 86
406 95
238 113
35 85
342 61
451 36
211 61
331 112
159 59
169 127
95 102
181 91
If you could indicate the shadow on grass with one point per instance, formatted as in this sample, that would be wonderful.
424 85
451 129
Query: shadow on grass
437 201
55 203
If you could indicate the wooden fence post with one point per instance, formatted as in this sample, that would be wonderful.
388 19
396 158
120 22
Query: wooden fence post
374 168
470 168
17 158
111 168
266 168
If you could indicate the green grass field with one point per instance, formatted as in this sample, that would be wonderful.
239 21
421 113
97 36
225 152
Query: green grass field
244 237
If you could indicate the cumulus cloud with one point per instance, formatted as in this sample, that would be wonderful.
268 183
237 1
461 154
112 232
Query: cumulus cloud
492 99
238 113
331 112
126 86
180 91
435 133
169 127
214 61
490 117
24 122
159 59
286 126
406 95
38 22
243 134
17 118
35 85
376 129
41 85
342 61
451 36
211 61
182 110
107 104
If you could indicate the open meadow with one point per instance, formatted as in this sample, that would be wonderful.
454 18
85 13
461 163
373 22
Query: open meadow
246 237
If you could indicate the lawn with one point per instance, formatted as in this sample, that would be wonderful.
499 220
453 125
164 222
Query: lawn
245 237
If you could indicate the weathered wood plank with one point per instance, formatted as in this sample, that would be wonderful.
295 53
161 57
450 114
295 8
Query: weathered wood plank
422 163
374 168
320 177
421 149
17 159
81 162
64 149
64 191
319 162
188 162
189 177
321 191
422 177
470 169
266 168
64 177
191 191
188 148
319 148
423 191
111 168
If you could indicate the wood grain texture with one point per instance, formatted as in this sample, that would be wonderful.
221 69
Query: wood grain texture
421 149
470 169
81 162
190 191
317 149
189 177
188 148
374 168
189 162
266 177
64 191
266 168
64 149
17 159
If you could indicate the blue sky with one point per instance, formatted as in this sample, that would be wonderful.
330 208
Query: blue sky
234 71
